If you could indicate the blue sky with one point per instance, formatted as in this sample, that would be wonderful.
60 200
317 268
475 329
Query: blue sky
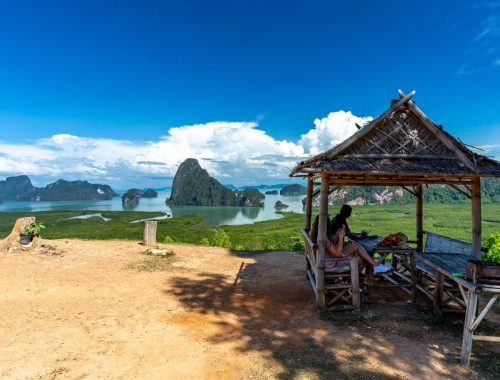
122 91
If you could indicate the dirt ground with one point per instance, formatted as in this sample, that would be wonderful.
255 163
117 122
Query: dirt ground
209 314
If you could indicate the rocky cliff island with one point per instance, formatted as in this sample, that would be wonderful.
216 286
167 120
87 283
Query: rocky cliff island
131 198
294 189
20 188
193 186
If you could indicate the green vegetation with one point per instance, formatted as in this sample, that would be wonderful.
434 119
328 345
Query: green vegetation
281 234
34 229
493 245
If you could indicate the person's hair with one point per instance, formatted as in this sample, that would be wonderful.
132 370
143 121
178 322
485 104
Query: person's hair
346 211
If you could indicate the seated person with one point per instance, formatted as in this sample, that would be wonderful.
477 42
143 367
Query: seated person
341 220
335 247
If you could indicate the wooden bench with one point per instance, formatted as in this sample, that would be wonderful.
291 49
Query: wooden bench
426 275
341 280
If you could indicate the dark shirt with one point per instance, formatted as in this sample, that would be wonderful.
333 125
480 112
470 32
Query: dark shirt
337 222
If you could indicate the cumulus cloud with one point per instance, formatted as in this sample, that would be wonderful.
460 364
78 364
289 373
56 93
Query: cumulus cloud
234 152
331 130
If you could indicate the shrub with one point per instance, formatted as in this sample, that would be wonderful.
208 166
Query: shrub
221 239
493 245
168 239
204 241
34 229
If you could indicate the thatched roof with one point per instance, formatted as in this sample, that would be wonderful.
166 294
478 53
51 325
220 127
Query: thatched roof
401 142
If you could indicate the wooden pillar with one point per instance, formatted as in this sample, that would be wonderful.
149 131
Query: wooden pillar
310 187
476 217
322 231
419 195
149 233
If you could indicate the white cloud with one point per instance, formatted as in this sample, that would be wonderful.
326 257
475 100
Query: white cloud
331 130
234 152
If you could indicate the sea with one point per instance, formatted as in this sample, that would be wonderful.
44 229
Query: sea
214 215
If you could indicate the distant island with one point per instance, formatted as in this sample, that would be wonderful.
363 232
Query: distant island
131 198
272 192
294 189
20 188
193 186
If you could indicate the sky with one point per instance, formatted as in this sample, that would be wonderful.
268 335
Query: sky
121 92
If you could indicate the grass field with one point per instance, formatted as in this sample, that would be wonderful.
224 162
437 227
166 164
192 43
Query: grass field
281 234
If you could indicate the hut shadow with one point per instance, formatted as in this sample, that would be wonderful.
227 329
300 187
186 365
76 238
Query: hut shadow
269 308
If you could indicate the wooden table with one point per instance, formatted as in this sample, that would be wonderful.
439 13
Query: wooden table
403 262
449 266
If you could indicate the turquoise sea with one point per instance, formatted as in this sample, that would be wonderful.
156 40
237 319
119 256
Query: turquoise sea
212 215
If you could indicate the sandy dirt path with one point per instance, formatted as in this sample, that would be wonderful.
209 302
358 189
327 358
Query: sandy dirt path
210 314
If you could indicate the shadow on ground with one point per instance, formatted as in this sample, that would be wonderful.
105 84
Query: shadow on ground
269 308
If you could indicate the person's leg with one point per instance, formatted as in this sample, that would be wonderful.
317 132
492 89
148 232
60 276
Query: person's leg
362 253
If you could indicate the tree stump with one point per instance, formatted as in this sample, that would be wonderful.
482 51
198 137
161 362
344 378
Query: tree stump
11 242
149 238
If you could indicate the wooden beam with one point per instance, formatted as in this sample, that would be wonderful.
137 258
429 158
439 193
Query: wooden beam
322 236
310 185
413 192
419 194
463 192
399 155
476 217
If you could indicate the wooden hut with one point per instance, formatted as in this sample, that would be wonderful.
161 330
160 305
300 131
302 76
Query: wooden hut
401 147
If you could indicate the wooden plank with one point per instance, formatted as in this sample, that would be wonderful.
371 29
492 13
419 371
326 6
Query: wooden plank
467 335
476 217
483 313
484 338
431 259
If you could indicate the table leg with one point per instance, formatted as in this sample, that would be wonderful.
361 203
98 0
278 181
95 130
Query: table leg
413 271
468 331
438 293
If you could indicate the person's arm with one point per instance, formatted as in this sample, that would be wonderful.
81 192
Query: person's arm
335 248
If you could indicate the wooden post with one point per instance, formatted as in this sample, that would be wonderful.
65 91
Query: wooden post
468 331
322 231
419 215
310 186
438 293
149 233
476 217
356 299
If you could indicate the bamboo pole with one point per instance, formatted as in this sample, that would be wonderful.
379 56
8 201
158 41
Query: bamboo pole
310 186
322 232
149 238
420 217
476 217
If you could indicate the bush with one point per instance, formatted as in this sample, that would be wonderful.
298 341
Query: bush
204 241
493 245
221 239
168 240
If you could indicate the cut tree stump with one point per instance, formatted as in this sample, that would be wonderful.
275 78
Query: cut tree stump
11 242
